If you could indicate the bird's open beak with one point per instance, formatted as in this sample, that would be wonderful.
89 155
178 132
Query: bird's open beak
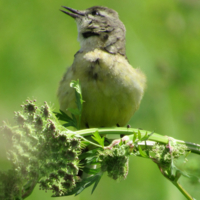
74 13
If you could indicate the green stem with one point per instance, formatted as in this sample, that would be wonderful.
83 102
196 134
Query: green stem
183 191
174 180
79 121
123 131
194 148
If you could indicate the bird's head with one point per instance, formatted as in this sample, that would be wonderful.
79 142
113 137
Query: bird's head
99 27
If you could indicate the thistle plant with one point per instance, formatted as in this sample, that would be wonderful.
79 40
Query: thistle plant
43 150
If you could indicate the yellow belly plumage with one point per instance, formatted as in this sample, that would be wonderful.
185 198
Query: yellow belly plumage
112 89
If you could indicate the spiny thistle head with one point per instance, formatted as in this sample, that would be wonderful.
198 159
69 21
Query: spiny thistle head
41 151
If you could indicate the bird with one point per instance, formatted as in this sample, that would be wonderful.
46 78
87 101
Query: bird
112 89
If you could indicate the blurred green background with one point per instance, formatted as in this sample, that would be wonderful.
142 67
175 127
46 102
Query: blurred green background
37 43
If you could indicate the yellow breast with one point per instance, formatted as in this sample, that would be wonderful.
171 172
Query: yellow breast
112 89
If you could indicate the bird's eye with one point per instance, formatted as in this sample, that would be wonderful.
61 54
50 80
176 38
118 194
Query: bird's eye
95 12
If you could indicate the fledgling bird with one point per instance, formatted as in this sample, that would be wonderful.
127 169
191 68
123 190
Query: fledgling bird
111 88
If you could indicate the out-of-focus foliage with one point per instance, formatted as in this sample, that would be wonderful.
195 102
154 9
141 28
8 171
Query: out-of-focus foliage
37 43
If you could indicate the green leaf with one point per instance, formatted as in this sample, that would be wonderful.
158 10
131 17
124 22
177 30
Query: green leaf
150 135
80 186
72 121
78 94
89 181
75 84
64 117
91 170
70 124
139 135
145 137
79 100
74 111
96 182
120 143
187 154
134 137
142 153
74 118
91 161
98 138
88 154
